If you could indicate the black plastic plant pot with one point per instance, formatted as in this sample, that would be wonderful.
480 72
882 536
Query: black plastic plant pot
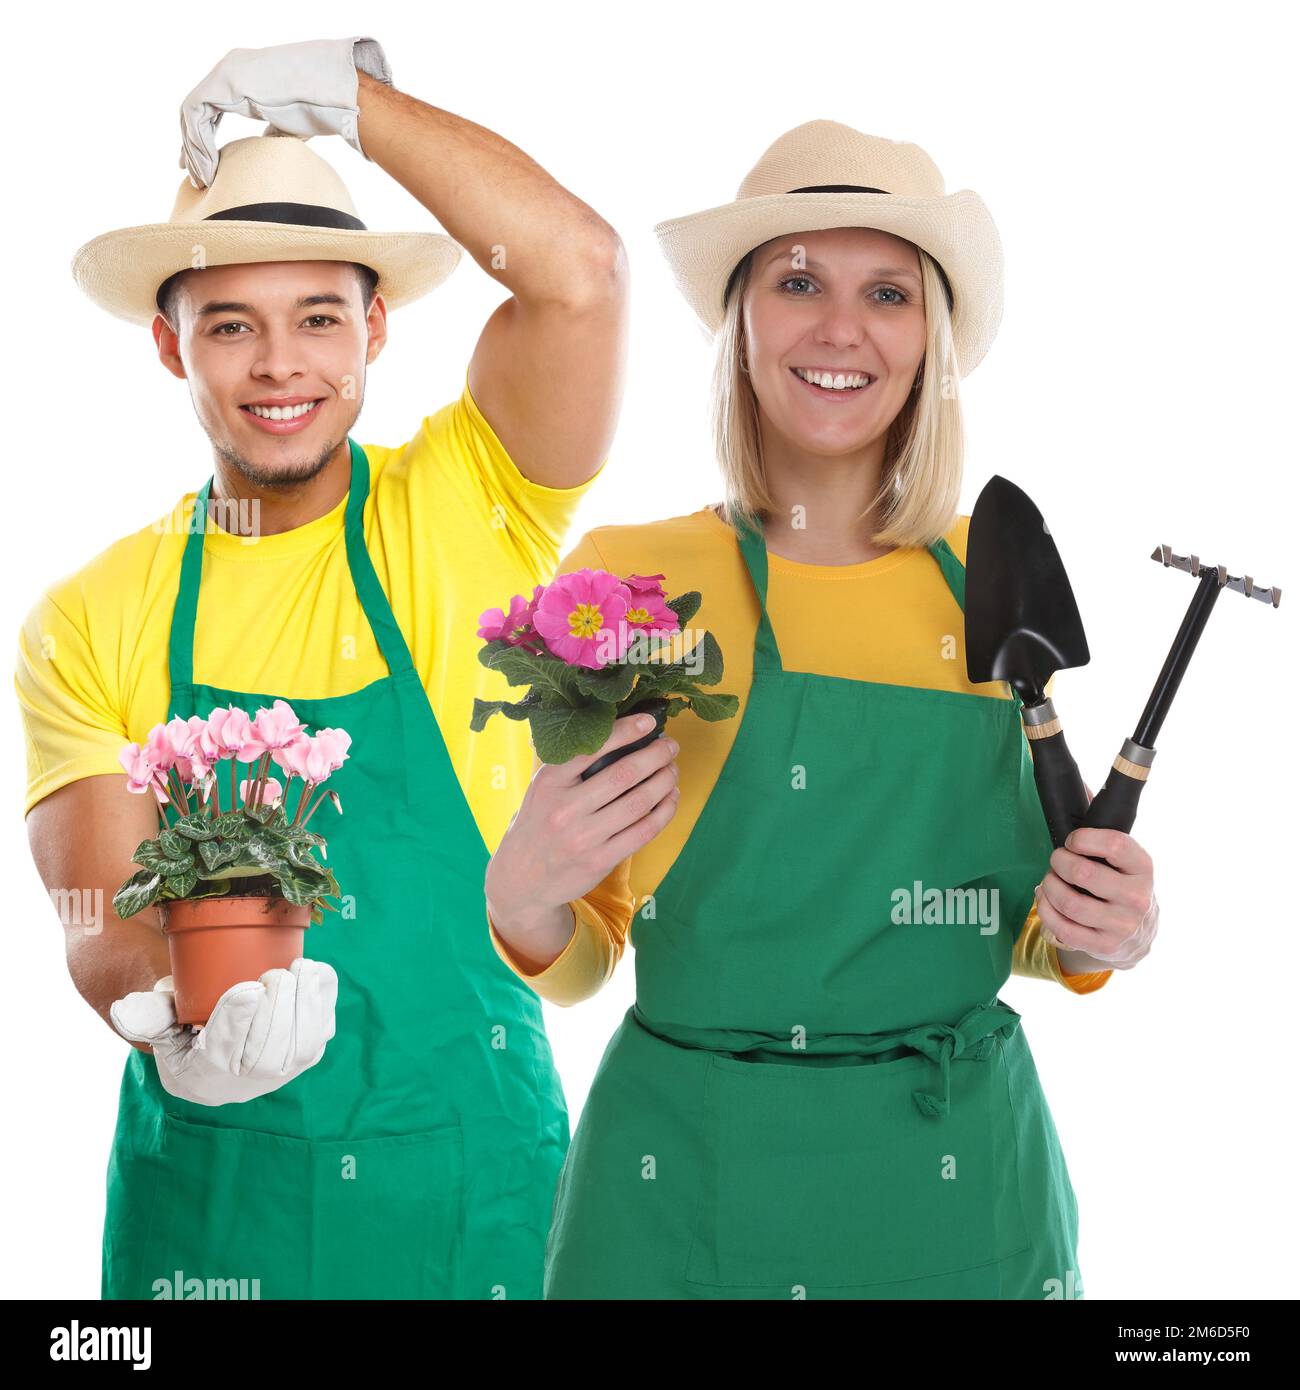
656 706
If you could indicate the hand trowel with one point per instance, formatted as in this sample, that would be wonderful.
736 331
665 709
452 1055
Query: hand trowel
1022 626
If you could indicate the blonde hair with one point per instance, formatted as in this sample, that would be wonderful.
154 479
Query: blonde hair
920 477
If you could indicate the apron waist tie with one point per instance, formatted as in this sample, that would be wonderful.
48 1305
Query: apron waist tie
970 1037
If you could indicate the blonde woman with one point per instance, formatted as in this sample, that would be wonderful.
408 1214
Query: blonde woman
818 1092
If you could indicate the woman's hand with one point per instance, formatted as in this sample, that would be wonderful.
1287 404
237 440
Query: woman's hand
568 834
1112 930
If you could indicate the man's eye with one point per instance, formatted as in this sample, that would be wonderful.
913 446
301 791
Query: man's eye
218 333
321 318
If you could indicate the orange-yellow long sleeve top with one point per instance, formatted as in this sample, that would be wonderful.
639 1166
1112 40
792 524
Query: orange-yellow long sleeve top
871 621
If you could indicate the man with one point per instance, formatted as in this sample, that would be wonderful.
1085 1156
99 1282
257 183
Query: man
384 1118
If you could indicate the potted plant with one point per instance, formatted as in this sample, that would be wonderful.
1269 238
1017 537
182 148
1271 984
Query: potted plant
237 886
591 648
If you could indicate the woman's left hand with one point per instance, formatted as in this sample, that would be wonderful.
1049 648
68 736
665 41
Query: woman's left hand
1116 927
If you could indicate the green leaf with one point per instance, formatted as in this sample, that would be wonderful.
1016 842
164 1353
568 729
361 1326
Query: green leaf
210 853
209 888
702 665
611 683
485 709
301 856
686 606
180 885
519 667
709 706
561 733
137 893
298 888
711 661
195 827
150 854
259 850
174 845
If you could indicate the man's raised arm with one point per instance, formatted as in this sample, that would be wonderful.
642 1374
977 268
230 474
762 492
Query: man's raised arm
547 372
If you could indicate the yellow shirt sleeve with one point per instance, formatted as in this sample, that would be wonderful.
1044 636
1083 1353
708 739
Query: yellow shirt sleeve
1038 958
72 724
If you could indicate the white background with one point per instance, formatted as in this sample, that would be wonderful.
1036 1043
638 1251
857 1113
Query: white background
1140 163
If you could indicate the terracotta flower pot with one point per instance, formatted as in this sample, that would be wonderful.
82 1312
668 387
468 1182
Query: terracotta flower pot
217 942
655 705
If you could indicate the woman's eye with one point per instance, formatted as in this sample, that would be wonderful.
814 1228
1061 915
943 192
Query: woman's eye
889 289
795 280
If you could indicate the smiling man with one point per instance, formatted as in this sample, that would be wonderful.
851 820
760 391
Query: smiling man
383 1119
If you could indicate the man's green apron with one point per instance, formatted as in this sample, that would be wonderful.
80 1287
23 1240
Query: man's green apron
418 1158
818 1092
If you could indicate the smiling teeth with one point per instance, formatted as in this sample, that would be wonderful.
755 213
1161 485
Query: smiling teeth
280 412
829 381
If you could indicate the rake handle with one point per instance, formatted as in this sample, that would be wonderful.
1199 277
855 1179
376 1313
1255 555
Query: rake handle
1061 791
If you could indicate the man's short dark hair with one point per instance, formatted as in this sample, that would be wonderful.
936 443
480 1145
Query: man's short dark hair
166 296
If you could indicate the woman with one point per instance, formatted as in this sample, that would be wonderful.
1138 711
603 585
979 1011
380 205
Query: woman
818 1092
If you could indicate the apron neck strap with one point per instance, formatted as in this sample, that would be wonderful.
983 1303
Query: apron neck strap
753 547
369 591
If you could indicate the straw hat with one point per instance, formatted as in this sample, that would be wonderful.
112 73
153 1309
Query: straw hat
272 199
823 174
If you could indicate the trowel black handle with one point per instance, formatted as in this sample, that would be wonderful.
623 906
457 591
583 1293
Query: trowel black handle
1060 786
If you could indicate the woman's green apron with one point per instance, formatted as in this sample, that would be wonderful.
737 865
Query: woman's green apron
818 1092
418 1158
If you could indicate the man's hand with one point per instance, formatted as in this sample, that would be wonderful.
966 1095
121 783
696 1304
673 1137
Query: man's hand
302 89
261 1034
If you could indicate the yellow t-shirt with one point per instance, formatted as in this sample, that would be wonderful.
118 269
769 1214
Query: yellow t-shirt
453 528
874 621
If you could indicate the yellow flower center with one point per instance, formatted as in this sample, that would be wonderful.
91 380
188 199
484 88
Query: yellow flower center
586 620
638 615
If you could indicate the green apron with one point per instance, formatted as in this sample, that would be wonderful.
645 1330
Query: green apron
418 1157
818 1092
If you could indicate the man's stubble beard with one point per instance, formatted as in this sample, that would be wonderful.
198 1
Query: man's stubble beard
283 477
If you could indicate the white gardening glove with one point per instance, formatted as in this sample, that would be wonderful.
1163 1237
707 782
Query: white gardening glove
302 89
261 1033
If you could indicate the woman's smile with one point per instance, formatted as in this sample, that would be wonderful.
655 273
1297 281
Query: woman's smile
830 384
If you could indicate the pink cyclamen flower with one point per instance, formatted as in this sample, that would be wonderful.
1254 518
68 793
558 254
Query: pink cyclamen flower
581 617
271 792
314 758
273 728
142 774
162 743
516 626
168 746
193 758
228 733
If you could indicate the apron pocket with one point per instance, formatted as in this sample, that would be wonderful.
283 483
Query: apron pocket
831 1176
249 1214
387 1221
